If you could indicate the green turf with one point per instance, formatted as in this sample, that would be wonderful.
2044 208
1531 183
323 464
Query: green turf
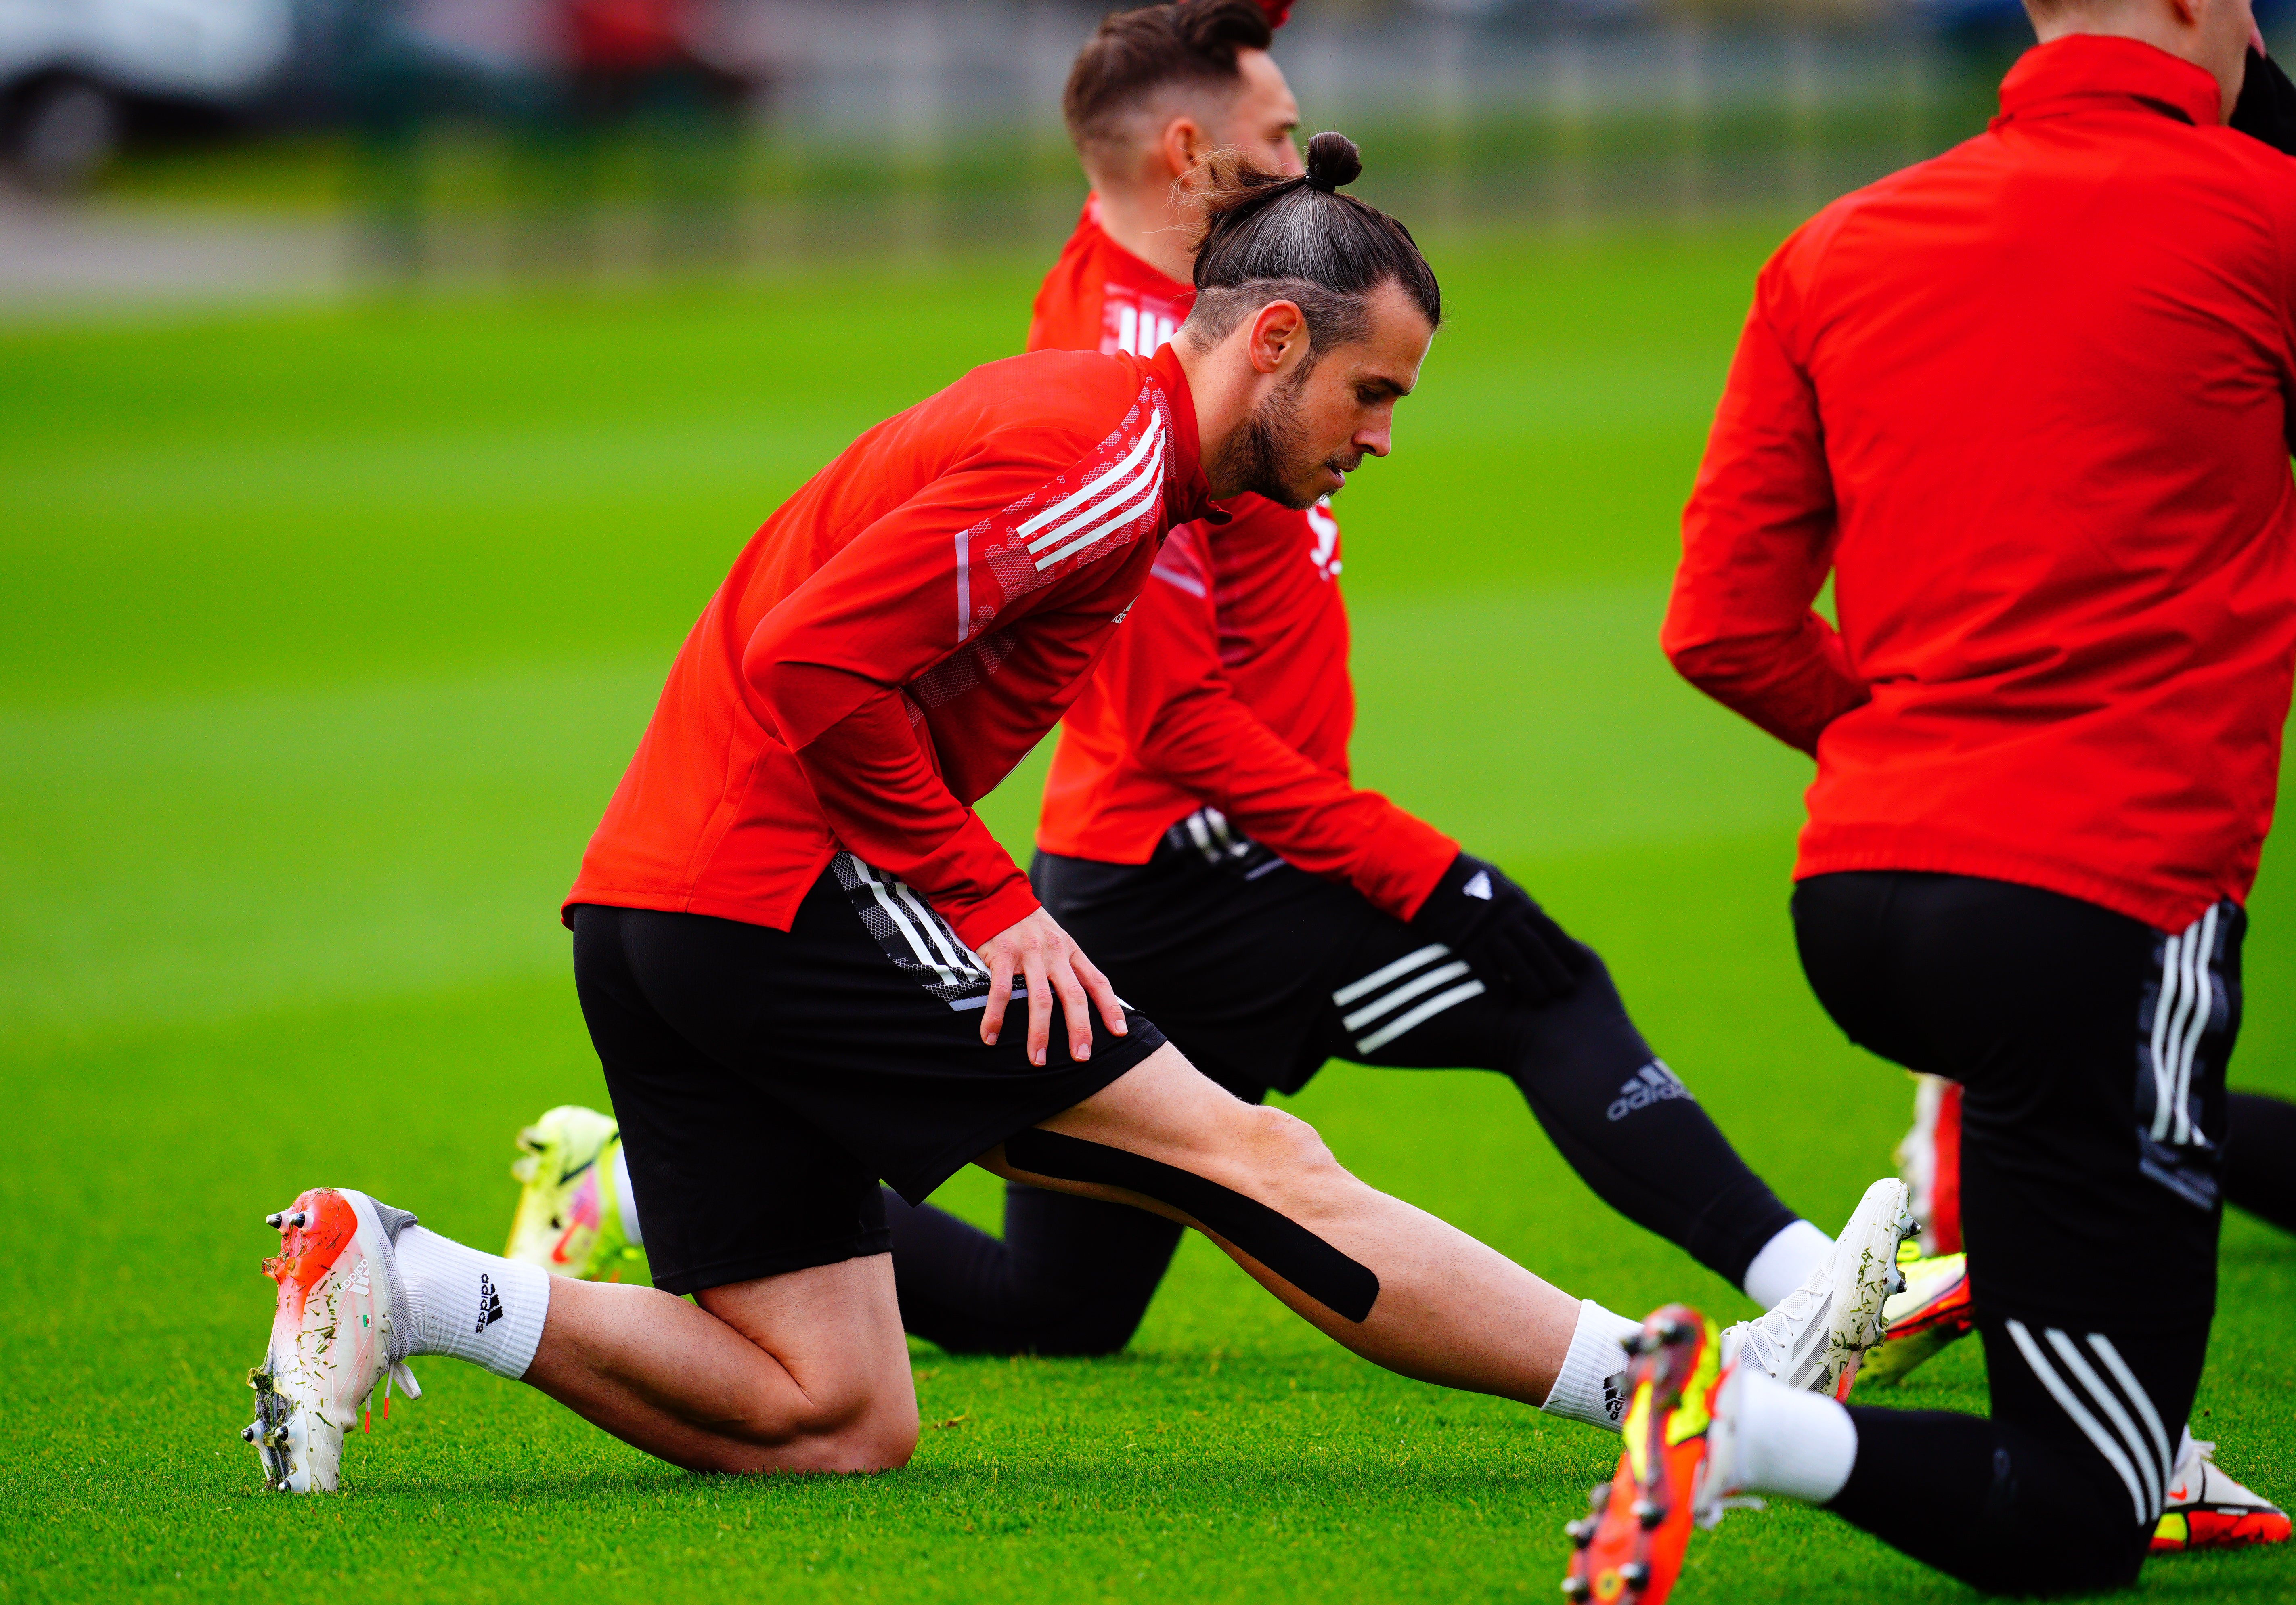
329 633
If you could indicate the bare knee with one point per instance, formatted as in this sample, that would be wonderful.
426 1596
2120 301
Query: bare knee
831 1429
1283 1158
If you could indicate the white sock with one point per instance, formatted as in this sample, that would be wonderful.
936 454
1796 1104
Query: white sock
1800 1444
1783 1261
626 1200
1591 1386
473 1307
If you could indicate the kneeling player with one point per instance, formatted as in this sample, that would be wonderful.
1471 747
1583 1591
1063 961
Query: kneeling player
2029 404
795 943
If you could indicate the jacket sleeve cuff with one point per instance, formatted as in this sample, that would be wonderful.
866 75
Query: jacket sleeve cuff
1420 855
1006 906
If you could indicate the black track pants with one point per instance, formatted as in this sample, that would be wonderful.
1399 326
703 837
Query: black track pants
2260 1158
1261 973
2091 1050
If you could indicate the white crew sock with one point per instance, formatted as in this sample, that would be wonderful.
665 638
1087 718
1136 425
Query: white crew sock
473 1307
1800 1444
1591 1386
626 1200
1783 1261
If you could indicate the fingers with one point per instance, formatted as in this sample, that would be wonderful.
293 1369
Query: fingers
1073 1008
1104 995
1040 1004
1000 992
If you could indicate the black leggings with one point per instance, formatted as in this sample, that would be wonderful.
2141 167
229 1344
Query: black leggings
2091 1050
1260 973
2260 1156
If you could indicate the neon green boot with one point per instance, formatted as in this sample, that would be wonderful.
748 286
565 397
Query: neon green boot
570 1216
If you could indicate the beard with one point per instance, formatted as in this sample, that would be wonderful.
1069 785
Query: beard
1268 455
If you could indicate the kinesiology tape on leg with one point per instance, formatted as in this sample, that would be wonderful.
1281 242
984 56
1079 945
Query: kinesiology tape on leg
1283 1246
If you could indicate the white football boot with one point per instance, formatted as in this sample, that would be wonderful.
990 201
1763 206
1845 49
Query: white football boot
332 1335
1814 1338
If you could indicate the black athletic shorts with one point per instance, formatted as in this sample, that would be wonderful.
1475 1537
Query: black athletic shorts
1263 973
765 1080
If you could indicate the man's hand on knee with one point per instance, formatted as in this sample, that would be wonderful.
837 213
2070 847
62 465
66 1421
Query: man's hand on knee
1054 966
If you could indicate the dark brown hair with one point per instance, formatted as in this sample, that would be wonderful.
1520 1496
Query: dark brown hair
1136 53
1268 238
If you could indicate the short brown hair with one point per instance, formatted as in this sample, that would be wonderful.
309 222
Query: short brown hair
1135 54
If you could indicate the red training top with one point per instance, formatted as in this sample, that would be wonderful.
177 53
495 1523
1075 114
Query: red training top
2029 401
896 638
1229 685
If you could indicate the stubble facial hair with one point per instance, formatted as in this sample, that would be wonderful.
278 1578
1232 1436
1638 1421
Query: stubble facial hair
1266 455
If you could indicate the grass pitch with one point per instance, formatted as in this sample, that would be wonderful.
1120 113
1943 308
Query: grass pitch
332 631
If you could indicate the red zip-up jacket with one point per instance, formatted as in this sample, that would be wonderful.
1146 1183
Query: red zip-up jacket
2028 402
1228 684
896 638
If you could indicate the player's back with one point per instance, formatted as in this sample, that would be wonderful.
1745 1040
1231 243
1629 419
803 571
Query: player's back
2049 368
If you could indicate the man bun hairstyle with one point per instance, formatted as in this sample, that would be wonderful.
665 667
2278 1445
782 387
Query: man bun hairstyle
1268 238
1135 54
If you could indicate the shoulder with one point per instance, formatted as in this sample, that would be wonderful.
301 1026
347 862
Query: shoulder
1042 410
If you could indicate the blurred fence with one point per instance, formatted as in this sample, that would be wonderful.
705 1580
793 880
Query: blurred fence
810 128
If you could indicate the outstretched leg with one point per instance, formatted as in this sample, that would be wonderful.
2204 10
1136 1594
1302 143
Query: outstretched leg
1441 1307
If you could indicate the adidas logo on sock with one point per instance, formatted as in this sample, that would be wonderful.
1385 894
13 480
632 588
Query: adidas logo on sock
489 1303
1614 1397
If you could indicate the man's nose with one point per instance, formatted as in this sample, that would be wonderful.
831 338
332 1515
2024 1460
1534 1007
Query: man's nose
1374 440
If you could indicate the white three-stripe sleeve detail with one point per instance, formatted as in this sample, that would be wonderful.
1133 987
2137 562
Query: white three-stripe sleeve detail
1377 978
2137 1396
958 956
2081 1418
2204 994
895 912
1140 447
2164 1080
1173 576
1427 1011
1115 522
2147 1469
1152 469
964 585
1392 1001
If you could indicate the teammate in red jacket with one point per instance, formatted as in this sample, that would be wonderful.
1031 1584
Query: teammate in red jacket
1202 837
2029 403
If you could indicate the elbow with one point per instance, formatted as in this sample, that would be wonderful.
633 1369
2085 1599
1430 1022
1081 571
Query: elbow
1705 664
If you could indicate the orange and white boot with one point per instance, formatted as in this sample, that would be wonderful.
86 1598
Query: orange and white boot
2205 1509
1629 1549
334 1338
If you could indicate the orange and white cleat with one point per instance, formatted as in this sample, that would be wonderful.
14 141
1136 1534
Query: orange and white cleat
2205 1509
1932 1311
331 1334
1629 1549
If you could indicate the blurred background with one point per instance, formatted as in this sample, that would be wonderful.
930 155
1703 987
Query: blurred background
159 147
384 387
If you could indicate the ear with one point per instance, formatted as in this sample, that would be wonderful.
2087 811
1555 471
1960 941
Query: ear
1180 147
1277 330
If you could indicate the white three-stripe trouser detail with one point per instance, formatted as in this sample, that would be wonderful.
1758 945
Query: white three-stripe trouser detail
2186 1003
1391 987
2143 1467
936 948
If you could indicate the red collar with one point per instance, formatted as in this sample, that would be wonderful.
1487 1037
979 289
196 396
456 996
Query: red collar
2057 77
1190 499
